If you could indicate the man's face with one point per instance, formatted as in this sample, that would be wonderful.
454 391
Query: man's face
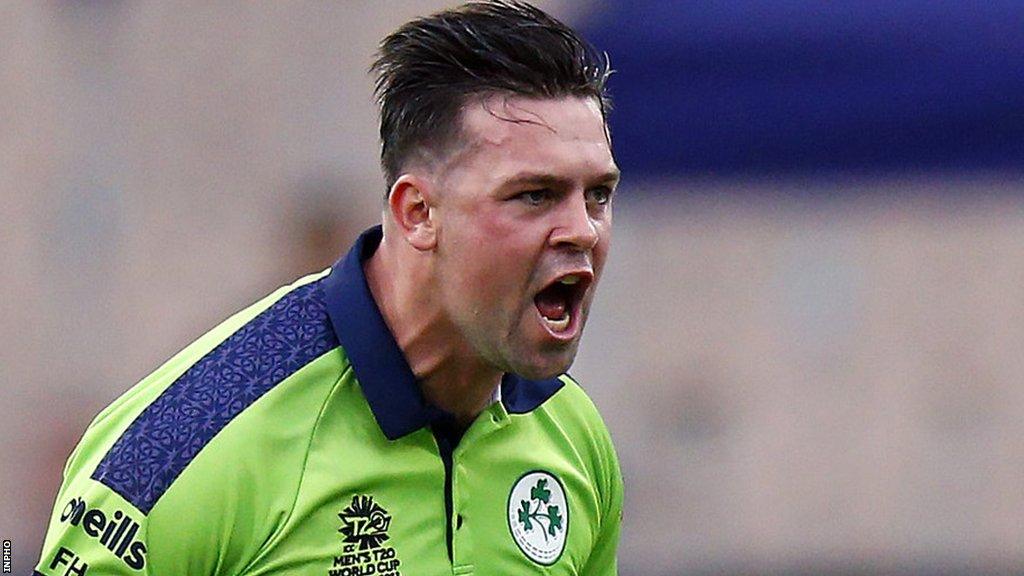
523 215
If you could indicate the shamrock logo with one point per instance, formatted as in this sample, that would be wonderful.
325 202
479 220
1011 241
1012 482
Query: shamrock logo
538 511
538 516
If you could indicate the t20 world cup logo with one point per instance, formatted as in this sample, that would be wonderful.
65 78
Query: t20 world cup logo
365 523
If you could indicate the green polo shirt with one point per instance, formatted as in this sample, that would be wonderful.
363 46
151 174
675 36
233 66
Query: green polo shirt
294 439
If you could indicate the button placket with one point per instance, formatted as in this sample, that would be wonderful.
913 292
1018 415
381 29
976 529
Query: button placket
462 540
491 420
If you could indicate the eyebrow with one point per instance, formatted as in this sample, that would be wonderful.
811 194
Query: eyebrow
552 181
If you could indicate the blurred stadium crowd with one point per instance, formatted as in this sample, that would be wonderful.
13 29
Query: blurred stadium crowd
808 342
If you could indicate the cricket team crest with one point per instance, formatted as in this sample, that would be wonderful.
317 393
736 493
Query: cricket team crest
538 516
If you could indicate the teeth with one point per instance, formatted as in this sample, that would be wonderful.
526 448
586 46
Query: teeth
570 279
557 325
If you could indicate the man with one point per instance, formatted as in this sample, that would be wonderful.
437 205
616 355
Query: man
405 411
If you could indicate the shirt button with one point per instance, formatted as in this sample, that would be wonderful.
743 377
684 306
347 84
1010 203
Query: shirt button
458 522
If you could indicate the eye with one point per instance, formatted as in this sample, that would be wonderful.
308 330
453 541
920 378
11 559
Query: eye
601 195
535 197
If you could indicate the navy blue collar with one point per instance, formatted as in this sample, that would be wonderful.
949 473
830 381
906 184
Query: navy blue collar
384 374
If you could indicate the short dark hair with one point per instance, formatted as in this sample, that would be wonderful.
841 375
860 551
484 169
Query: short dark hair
430 67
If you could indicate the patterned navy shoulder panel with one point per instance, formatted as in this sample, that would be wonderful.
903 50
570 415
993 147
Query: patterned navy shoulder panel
171 431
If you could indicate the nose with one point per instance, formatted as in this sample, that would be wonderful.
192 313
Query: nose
575 227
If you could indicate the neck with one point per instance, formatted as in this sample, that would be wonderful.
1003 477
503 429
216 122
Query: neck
450 374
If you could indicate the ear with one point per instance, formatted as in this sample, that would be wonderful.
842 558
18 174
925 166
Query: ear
409 203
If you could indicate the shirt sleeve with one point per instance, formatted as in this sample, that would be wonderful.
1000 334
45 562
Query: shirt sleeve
97 529
93 530
193 469
213 519
603 556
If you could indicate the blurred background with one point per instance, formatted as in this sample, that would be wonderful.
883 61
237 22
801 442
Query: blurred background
808 344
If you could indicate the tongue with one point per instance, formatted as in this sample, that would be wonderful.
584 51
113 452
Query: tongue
551 303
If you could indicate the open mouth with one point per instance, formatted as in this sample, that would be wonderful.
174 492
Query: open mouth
559 302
